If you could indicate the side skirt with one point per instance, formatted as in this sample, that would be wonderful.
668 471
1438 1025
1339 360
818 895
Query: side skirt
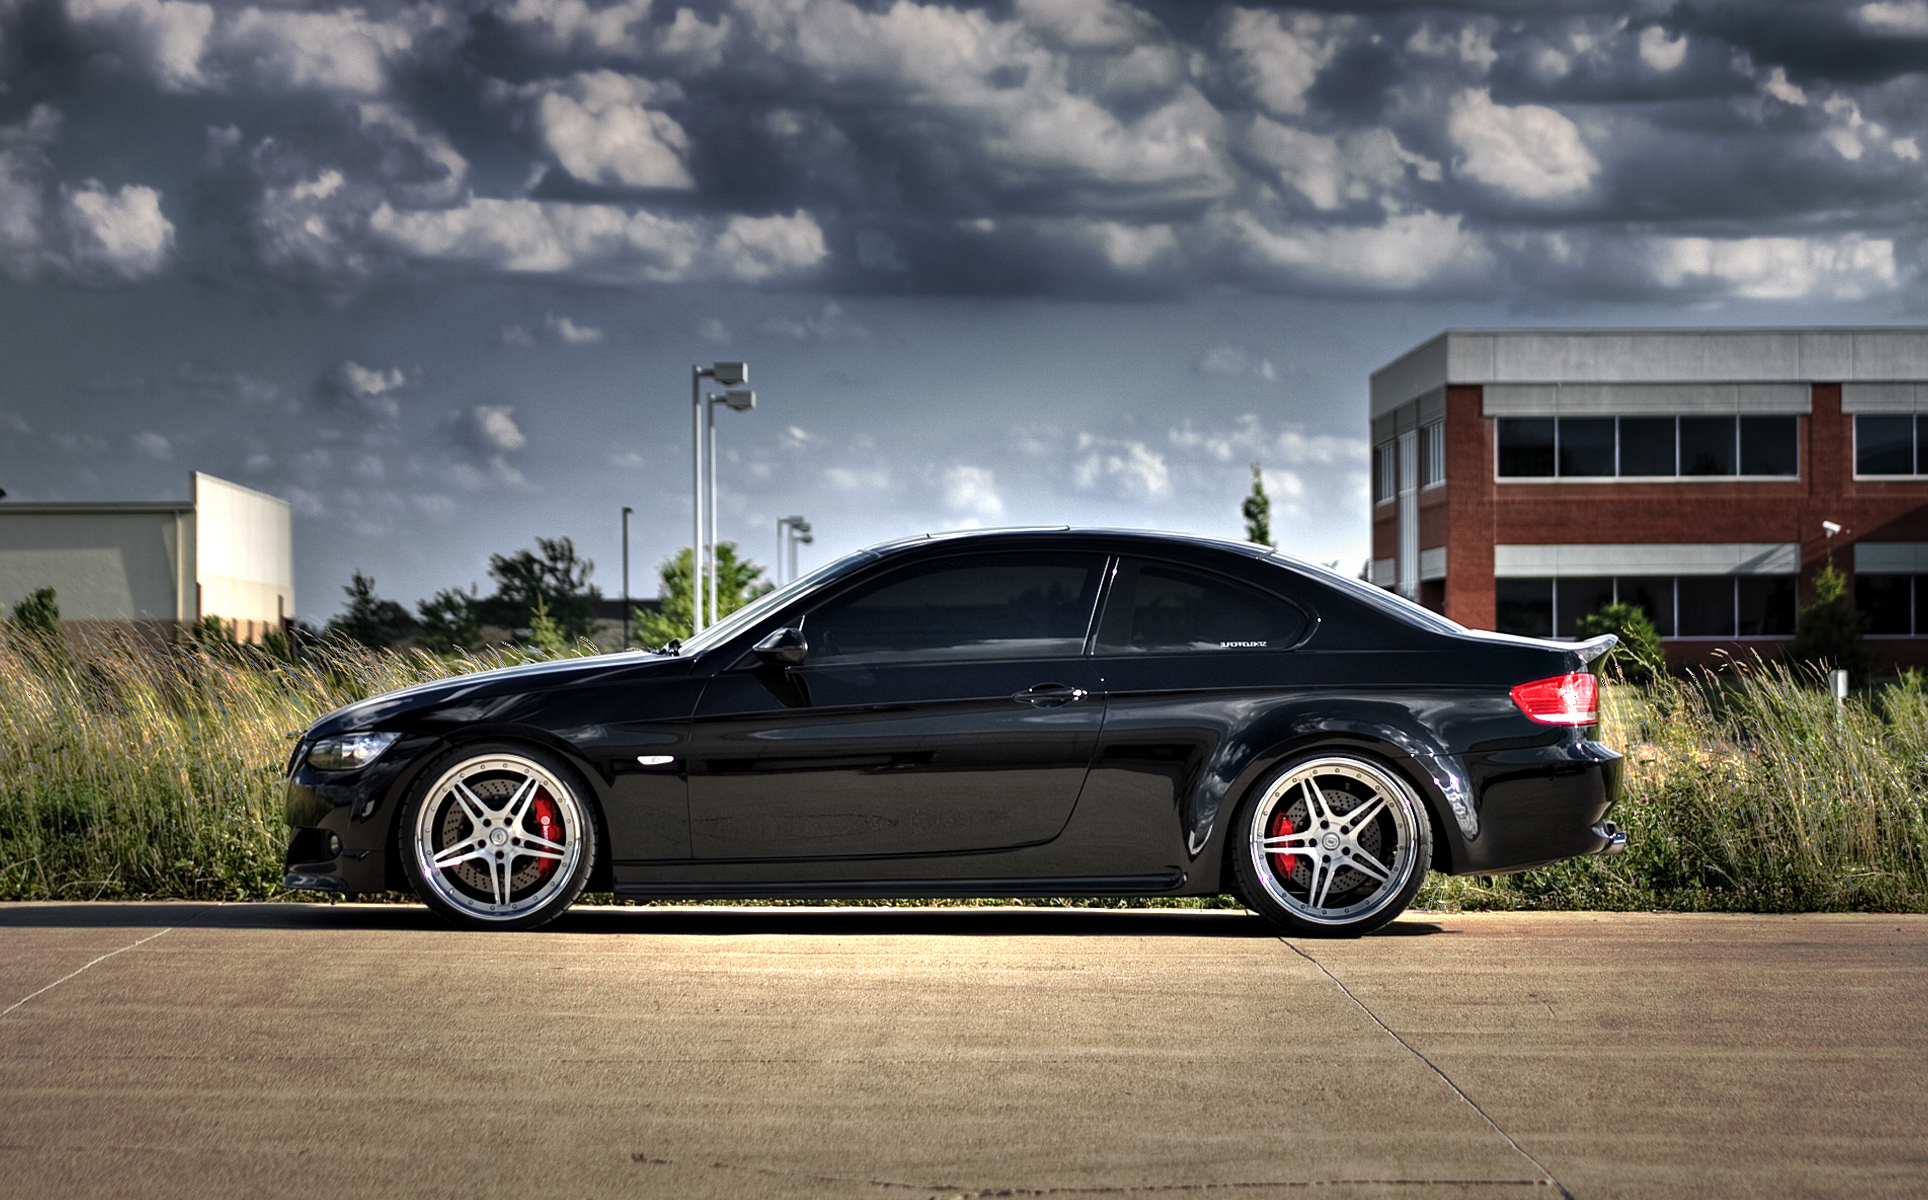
1081 885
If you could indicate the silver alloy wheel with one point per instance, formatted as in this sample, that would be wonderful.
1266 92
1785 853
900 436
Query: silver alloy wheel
498 836
1335 840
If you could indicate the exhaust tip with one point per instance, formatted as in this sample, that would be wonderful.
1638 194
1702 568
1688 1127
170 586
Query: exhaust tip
1615 837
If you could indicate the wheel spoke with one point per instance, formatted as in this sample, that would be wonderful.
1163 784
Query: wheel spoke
1288 841
1369 866
538 848
473 806
499 879
1358 817
460 852
1316 808
1323 873
519 803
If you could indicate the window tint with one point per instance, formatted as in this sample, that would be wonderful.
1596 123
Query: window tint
980 606
1646 445
1884 445
1158 608
1526 446
1888 600
1586 445
1706 605
1766 605
1578 597
1524 606
1707 445
1768 446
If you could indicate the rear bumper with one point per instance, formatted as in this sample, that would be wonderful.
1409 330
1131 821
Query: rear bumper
1540 804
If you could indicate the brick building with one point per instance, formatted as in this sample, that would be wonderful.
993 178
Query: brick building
1523 478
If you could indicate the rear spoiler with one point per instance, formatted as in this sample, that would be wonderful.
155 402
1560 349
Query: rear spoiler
1593 648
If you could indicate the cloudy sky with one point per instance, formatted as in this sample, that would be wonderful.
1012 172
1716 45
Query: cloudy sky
436 272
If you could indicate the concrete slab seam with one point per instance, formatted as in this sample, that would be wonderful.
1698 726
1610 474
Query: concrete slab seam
1434 1068
69 975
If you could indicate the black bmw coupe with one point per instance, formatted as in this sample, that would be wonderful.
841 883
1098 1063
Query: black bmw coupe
1040 712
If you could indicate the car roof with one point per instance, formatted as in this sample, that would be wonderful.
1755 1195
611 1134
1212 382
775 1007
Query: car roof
1101 535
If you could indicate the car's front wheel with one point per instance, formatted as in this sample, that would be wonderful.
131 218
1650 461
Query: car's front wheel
1332 845
497 836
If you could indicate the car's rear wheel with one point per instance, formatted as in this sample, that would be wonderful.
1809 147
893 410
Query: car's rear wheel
497 836
1332 845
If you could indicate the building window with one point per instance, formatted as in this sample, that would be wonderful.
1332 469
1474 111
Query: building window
1384 485
1722 606
1649 447
1885 445
1889 603
1432 454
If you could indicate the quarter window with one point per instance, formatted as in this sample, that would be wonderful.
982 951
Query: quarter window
989 606
1157 608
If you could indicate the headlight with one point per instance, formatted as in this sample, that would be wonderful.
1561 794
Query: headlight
349 751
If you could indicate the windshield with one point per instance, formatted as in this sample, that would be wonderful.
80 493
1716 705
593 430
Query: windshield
770 602
1387 602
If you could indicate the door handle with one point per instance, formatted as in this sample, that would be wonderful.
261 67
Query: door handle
1050 695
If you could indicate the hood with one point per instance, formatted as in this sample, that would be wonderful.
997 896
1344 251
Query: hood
373 712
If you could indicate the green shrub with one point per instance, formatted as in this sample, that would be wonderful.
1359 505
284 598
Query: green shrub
1638 657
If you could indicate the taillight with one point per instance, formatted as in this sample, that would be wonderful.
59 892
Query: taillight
1562 700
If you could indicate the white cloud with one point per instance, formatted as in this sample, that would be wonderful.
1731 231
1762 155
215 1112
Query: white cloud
1279 57
495 427
1902 16
1129 467
1777 268
1331 172
370 391
1527 151
1235 361
828 324
597 126
712 329
516 336
1404 252
1778 87
153 445
569 333
972 491
190 46
602 242
87 234
1660 53
1086 24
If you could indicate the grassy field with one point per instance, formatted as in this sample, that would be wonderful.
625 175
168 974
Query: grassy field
129 774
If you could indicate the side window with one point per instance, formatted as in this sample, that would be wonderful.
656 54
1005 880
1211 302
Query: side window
1157 608
983 606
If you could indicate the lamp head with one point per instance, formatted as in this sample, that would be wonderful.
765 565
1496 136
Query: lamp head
730 374
738 399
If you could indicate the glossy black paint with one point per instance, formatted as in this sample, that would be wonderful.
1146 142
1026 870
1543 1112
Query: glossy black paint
1086 772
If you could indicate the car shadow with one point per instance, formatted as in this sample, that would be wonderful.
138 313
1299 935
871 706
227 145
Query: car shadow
692 920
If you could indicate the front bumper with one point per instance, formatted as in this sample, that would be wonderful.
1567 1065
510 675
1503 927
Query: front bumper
341 822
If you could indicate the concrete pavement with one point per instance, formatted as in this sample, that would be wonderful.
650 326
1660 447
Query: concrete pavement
160 1050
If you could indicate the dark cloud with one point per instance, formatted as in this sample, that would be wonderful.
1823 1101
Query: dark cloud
1073 147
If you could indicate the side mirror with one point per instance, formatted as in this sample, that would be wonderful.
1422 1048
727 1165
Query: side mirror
782 648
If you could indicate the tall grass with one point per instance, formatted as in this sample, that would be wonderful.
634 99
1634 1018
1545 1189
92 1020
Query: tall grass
133 771
130 770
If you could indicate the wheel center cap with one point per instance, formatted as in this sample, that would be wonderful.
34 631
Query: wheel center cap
1331 841
500 837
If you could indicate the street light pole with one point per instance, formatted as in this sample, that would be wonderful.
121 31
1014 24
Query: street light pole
729 374
626 511
736 400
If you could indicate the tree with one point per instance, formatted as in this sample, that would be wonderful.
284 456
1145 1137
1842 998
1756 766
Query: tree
369 619
1827 633
449 621
738 581
39 611
557 578
1638 658
1258 511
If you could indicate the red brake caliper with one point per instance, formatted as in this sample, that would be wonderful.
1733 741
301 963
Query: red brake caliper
1284 864
548 821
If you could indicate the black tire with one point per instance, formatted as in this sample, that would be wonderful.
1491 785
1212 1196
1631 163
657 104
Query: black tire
1308 864
497 835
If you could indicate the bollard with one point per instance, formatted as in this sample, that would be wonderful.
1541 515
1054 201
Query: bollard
1838 686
